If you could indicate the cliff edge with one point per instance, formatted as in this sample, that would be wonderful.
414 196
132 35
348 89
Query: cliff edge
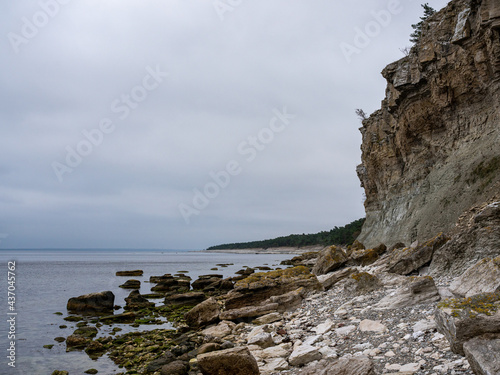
432 151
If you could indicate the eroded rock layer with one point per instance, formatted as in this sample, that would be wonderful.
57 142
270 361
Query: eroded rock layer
433 150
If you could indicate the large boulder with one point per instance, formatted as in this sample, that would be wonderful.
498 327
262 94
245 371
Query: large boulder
329 259
185 299
92 303
203 314
131 284
482 354
463 319
483 277
407 260
228 362
207 282
415 291
259 287
135 301
359 283
330 279
130 273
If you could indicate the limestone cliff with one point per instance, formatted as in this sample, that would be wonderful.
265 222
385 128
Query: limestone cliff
433 149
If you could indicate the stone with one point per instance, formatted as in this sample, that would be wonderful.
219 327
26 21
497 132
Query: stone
407 260
185 299
135 301
279 351
249 312
269 318
263 339
92 303
461 320
228 362
58 372
330 279
417 290
304 354
410 367
221 330
482 354
361 283
131 284
424 326
345 331
483 277
359 365
462 29
275 364
127 317
325 327
208 347
207 282
329 259
175 368
372 326
260 287
363 257
203 314
130 273
158 363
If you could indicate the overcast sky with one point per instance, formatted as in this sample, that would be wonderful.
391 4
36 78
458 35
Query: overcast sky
181 124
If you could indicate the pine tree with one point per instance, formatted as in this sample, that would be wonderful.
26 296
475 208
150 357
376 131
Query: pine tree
428 11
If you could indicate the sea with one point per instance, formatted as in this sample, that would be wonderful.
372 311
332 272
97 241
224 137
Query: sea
40 283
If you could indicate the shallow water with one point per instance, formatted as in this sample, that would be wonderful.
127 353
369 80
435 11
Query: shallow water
46 279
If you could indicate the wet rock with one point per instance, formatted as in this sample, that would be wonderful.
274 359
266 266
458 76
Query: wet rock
329 259
130 273
418 290
131 284
228 362
207 282
57 372
483 277
461 320
175 368
135 301
92 303
158 363
249 312
203 314
482 354
185 299
127 317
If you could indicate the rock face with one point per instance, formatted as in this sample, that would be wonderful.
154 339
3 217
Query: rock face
418 290
431 152
482 354
92 303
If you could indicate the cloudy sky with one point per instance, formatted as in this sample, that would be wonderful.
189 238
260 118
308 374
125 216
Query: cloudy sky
181 124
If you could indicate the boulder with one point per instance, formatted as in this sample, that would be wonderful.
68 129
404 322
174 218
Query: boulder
135 301
127 317
185 299
228 362
417 290
175 368
263 339
249 311
304 354
483 277
203 314
329 259
131 284
361 283
268 318
221 330
372 326
259 287
363 257
463 319
158 363
482 354
130 273
92 303
407 260
207 282
330 279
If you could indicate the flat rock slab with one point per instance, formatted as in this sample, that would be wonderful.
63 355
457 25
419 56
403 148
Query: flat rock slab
304 354
483 355
372 326
483 277
130 273
417 290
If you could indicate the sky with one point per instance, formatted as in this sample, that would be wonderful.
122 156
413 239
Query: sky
181 124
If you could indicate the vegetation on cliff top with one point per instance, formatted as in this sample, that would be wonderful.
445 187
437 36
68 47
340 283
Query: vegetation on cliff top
337 236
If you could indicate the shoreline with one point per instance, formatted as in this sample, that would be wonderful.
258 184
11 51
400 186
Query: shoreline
270 250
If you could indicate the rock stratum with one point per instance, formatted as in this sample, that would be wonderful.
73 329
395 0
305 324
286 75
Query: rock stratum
432 151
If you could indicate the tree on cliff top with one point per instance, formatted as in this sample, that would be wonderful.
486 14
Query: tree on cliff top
428 11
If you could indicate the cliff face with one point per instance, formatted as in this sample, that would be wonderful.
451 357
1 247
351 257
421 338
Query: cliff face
433 149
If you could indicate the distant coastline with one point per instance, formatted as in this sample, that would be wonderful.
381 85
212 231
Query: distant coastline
271 250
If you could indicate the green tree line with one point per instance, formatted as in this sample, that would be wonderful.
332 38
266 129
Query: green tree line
337 236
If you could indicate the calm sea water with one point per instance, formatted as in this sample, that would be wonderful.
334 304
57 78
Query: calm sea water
46 279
